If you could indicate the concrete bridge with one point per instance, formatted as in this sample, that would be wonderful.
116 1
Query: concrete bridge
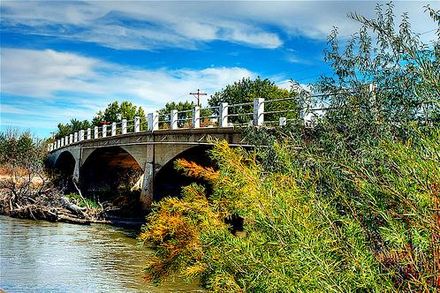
150 147
146 153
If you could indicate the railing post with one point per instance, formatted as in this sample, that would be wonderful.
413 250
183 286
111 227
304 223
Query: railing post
173 122
283 121
61 142
223 115
196 117
104 130
81 135
258 112
113 128
137 124
96 132
71 138
124 126
89 133
75 137
153 121
57 143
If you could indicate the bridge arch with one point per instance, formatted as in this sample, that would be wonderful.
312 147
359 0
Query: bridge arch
65 163
168 181
64 166
109 169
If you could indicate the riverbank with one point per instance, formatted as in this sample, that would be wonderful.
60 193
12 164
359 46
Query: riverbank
26 195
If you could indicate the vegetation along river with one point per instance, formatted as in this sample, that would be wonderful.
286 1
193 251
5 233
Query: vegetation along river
39 256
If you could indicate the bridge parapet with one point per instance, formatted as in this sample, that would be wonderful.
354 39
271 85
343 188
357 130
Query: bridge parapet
208 117
220 117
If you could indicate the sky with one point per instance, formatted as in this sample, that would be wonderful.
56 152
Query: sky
64 60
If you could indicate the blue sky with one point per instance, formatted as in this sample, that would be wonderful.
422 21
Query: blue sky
64 60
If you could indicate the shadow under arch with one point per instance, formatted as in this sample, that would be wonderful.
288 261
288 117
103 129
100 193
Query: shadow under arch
64 168
169 182
112 174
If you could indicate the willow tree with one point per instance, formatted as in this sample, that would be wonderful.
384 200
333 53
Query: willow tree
403 70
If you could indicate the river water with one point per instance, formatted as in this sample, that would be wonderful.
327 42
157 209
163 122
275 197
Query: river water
39 256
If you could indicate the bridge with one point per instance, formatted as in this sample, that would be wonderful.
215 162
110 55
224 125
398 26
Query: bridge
149 148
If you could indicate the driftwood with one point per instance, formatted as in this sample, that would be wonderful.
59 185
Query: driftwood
80 193
66 219
72 207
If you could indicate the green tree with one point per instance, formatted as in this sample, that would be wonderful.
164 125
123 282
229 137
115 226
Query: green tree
114 112
73 126
185 109
21 149
404 69
246 90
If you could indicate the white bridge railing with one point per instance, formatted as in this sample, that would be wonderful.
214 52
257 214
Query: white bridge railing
224 115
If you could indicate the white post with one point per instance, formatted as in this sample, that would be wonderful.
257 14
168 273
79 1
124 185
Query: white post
258 112
124 126
223 115
196 117
96 132
113 128
71 138
137 124
89 133
57 144
283 121
104 130
81 135
75 137
153 121
173 122
61 142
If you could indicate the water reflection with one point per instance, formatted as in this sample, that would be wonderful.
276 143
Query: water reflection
38 256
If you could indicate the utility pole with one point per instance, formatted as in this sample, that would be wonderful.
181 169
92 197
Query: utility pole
197 96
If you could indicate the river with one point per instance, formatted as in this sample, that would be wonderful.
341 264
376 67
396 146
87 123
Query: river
39 256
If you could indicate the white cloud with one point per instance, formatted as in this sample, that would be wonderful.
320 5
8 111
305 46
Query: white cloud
150 25
38 73
43 73
60 86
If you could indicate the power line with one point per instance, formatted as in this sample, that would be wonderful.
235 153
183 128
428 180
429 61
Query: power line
427 32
